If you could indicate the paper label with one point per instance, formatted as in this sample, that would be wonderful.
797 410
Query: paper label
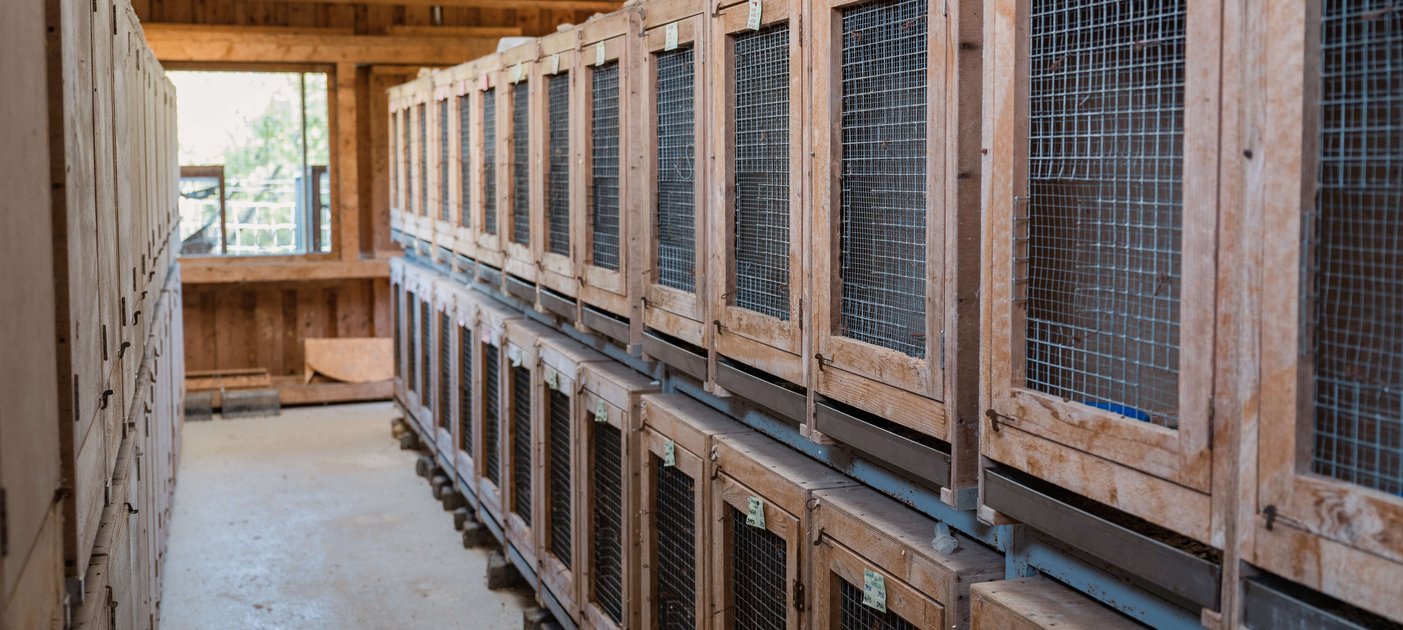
755 514
669 454
874 590
670 37
514 355
601 411
485 86
552 379
555 63
516 73
599 54
753 22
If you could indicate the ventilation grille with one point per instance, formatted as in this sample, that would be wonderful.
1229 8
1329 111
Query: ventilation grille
759 584
491 414
1105 146
443 159
465 388
677 186
465 162
675 516
412 357
882 264
521 444
854 614
489 161
426 353
1354 248
521 164
397 321
560 460
604 167
423 159
558 197
608 559
761 220
445 371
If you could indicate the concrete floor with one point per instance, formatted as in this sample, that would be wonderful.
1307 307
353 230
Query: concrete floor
315 519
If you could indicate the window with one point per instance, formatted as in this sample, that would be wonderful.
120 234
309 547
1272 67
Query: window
255 149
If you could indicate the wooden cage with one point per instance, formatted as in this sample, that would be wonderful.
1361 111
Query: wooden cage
398 221
440 157
761 491
668 82
485 97
1100 286
467 401
415 141
463 151
895 229
608 286
757 96
443 340
494 388
608 394
555 73
559 430
518 160
1329 499
418 291
1038 603
874 565
523 401
674 503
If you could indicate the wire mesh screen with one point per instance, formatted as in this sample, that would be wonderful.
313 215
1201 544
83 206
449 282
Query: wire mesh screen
396 200
491 413
423 113
1104 207
559 469
1353 248
465 388
758 562
558 175
521 444
761 220
604 166
489 161
676 570
465 163
426 353
608 558
676 170
521 163
411 357
854 615
443 159
445 370
882 254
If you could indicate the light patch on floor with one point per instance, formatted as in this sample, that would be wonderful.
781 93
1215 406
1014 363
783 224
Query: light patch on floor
315 519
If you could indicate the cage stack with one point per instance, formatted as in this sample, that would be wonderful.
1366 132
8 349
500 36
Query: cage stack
674 506
519 139
559 430
555 73
495 389
895 233
608 287
668 88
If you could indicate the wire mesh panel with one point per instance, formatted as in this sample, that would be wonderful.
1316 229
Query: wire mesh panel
559 468
395 199
425 354
604 167
758 562
882 257
1104 207
1353 249
607 547
489 161
445 372
676 170
465 170
412 379
397 320
465 388
521 164
558 176
491 413
521 444
423 159
761 220
406 164
675 515
443 159
854 615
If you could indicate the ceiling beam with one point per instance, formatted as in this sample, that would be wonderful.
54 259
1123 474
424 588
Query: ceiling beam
557 5
255 44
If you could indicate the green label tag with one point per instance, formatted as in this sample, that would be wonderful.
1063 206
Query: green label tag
601 411
552 379
874 590
755 516
669 454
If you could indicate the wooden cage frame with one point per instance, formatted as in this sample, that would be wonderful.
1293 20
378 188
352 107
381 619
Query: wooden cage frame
441 420
689 427
559 53
488 246
519 65
616 388
398 291
491 330
444 234
1037 602
418 289
856 529
755 339
1161 475
746 466
465 227
466 307
561 361
398 221
522 347
667 309
608 38
418 223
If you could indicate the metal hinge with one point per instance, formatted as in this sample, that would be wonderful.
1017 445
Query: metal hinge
798 596
4 524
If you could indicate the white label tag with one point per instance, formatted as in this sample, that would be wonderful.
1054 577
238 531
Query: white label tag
755 514
486 337
599 54
601 411
552 379
484 83
669 454
753 22
670 37
555 63
516 73
874 590
514 355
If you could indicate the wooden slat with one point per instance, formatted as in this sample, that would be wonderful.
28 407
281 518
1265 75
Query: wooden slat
247 44
230 271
